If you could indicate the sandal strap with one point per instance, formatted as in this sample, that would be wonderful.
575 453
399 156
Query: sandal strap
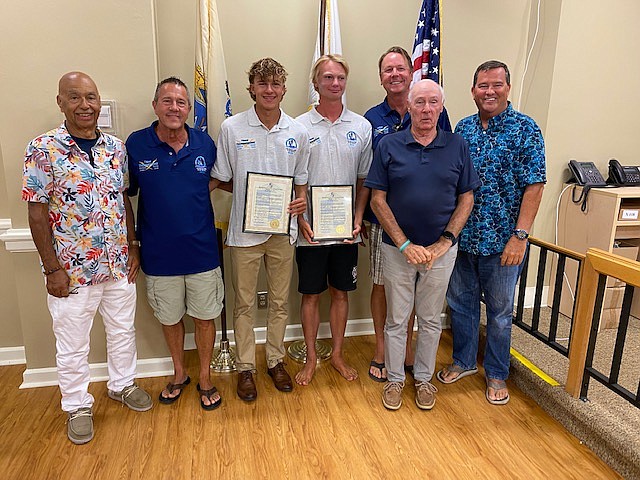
175 386
207 393
496 384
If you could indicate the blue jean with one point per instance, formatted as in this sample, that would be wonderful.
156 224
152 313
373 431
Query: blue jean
474 276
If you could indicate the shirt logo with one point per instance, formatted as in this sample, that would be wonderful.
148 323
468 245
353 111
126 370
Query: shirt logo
200 164
245 144
381 130
291 145
352 138
148 165
313 141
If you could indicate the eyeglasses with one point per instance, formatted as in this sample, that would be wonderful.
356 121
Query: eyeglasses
73 291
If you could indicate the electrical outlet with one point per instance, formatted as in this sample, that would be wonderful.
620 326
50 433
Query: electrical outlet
262 300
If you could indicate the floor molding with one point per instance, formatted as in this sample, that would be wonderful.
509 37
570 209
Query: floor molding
162 366
12 356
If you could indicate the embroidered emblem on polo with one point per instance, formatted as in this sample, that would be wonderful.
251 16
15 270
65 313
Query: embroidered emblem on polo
147 165
381 130
352 138
200 164
291 145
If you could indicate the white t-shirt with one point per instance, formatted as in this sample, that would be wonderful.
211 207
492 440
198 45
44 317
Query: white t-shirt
340 153
245 145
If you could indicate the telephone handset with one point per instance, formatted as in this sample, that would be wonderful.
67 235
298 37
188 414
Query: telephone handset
623 175
586 174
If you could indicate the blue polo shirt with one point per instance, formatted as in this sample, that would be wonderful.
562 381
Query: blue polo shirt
422 183
508 156
176 225
385 120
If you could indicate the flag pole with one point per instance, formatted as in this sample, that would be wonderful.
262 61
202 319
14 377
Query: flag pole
297 350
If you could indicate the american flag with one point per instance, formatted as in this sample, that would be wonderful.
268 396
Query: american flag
426 45
426 50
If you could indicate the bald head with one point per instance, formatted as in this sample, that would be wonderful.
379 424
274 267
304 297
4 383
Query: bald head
72 78
79 100
424 85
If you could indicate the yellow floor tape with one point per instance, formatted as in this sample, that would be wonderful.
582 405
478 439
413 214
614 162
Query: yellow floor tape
534 369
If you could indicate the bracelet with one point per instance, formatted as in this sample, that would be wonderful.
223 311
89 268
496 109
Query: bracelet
404 245
52 270
134 243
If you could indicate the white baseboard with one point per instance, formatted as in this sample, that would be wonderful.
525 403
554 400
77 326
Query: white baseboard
12 356
163 366
529 295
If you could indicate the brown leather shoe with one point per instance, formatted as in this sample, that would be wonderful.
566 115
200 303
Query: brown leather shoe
246 386
281 378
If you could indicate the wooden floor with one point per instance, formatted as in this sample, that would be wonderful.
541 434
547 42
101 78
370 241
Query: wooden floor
331 429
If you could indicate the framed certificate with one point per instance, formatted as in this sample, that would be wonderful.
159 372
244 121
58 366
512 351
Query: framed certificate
266 202
332 212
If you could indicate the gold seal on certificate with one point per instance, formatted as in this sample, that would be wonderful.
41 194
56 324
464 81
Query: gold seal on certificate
332 212
266 202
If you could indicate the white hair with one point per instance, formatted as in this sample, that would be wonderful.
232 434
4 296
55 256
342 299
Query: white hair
425 81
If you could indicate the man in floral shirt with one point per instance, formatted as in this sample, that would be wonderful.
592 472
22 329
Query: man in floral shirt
82 225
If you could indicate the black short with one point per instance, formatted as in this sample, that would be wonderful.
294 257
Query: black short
338 263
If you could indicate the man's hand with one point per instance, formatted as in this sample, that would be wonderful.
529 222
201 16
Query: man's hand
58 283
305 230
438 249
298 206
417 254
133 263
356 231
513 252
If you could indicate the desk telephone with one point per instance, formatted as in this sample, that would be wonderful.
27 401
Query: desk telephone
586 174
622 174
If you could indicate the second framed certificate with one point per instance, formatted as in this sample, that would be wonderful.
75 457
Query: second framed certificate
266 202
332 212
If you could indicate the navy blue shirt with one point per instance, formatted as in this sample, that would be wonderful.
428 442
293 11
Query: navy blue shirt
383 121
176 225
508 156
422 183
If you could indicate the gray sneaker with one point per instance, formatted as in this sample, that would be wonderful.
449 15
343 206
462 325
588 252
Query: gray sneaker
133 397
80 426
392 395
425 395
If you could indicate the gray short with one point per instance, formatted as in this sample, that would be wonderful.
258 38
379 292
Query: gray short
375 254
199 295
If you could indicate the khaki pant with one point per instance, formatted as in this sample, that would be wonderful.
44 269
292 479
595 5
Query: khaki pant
278 261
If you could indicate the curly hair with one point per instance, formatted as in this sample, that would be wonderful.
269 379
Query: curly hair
266 68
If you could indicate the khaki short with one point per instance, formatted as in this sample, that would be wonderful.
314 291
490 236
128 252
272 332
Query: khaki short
199 295
375 254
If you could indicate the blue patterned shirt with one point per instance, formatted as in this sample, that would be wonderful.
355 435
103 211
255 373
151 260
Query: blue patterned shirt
508 156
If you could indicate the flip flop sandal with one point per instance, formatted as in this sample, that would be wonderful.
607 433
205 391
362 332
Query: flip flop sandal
379 366
496 385
208 394
453 368
171 387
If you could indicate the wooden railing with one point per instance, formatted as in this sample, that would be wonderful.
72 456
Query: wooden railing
594 269
599 265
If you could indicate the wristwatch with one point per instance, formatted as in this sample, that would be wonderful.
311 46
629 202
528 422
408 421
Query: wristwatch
450 236
521 234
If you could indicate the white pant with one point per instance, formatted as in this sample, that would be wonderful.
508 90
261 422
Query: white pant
406 285
72 321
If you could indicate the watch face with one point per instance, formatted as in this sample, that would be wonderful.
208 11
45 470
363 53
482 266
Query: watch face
521 234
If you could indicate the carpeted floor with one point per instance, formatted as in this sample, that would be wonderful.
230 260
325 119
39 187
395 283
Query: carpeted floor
608 424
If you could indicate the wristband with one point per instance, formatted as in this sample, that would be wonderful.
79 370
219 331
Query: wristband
404 245
52 270
134 243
